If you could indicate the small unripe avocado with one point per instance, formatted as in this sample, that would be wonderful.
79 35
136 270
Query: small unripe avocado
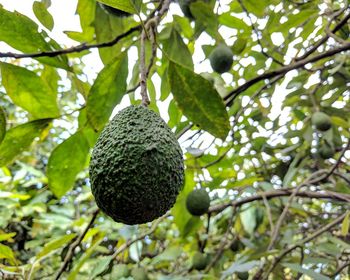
321 121
114 11
136 168
198 202
139 273
199 261
242 275
221 59
236 245
326 151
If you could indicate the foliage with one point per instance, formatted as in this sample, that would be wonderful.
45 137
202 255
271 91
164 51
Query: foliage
247 137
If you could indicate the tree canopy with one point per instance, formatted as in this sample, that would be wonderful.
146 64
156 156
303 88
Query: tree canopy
266 135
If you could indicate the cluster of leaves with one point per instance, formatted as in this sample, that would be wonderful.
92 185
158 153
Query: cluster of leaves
238 143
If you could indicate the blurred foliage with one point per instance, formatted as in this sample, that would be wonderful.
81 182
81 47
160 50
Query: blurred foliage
51 112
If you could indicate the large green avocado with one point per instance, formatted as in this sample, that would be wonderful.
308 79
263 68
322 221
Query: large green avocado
198 202
321 121
221 59
136 168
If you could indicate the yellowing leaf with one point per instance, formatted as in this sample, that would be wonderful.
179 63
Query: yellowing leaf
55 244
345 225
19 138
29 91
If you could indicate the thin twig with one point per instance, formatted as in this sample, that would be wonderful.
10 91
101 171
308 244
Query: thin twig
229 98
301 242
70 254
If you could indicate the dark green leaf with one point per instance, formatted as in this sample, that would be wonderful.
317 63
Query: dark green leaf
198 100
55 244
177 50
19 138
67 158
2 124
43 15
309 272
29 91
107 91
21 33
129 6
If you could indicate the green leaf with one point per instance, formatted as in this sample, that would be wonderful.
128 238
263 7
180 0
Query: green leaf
43 15
67 158
55 244
2 124
101 265
170 254
129 6
7 236
203 13
6 252
308 272
107 91
19 138
21 33
29 91
345 225
107 27
234 22
177 50
198 100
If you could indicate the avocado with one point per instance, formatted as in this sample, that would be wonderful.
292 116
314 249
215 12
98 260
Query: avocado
136 168
326 151
244 275
321 121
221 59
236 245
198 202
139 273
113 11
199 261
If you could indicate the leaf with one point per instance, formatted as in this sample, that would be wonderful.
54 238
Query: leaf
309 272
101 265
19 138
29 91
55 244
67 158
170 254
198 100
7 236
345 225
6 252
107 91
43 15
177 50
21 33
240 266
204 15
129 6
234 22
2 124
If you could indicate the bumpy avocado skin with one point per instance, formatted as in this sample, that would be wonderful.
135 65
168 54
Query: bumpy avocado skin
321 121
221 59
198 202
136 168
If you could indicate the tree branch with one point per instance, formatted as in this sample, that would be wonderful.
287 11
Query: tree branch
283 70
280 193
75 49
70 254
